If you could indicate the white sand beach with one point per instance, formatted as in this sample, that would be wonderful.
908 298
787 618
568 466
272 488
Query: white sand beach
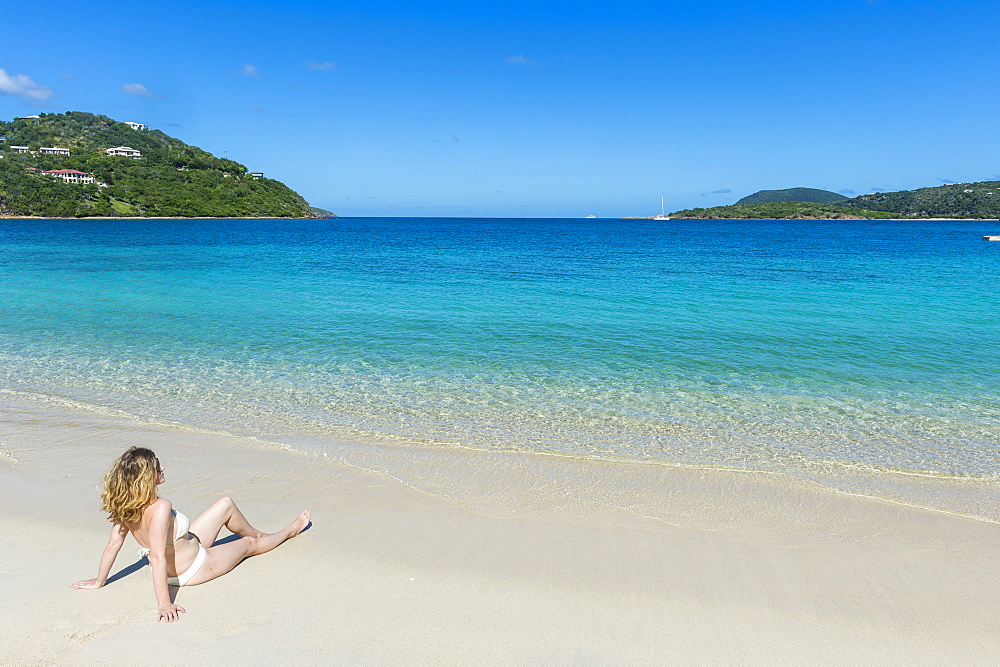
776 573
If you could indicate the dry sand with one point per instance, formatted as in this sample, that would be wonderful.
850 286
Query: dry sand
389 573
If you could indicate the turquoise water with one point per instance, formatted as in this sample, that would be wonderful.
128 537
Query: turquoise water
798 346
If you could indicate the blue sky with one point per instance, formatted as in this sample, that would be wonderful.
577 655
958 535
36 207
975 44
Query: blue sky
535 108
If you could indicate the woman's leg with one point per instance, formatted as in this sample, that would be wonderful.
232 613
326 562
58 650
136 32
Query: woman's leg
224 557
223 512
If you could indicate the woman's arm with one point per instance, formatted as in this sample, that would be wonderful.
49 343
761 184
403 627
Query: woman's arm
159 523
115 542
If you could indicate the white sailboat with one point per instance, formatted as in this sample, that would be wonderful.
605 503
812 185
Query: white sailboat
662 215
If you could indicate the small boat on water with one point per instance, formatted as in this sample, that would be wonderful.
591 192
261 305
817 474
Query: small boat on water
662 215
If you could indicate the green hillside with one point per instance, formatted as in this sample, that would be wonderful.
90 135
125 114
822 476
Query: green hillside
962 200
791 210
793 194
170 179
322 212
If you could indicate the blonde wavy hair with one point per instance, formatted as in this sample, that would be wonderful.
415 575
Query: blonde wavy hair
130 485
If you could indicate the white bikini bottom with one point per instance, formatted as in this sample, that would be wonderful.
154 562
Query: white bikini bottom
185 576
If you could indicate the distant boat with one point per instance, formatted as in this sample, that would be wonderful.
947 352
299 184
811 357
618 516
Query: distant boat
590 216
662 215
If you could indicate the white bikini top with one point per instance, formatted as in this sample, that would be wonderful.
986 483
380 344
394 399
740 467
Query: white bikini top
182 525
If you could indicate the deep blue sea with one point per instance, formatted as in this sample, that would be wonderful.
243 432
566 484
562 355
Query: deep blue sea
808 347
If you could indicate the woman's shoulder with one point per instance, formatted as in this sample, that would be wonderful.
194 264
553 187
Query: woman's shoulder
158 507
156 514
157 511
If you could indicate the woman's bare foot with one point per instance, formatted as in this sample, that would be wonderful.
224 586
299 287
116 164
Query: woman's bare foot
300 523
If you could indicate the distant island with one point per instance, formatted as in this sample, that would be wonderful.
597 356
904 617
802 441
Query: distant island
793 194
962 200
79 164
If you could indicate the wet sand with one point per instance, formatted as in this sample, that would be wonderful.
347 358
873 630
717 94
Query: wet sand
390 573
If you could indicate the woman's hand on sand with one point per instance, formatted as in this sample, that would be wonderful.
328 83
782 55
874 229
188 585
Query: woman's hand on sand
169 613
87 584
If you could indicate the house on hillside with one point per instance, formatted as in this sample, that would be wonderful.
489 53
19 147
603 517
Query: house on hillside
20 149
136 126
124 151
53 151
71 175
256 175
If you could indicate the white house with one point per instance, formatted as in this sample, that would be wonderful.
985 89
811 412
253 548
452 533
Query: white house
124 151
256 174
71 175
53 151
20 149
136 126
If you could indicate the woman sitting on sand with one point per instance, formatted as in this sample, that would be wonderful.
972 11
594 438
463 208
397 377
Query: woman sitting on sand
180 551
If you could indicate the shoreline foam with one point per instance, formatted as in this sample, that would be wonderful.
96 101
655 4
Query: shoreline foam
452 471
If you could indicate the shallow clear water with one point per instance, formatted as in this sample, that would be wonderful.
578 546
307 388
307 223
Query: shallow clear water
817 348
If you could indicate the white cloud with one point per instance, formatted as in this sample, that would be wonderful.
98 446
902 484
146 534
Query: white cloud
23 86
250 71
136 89
519 59
323 66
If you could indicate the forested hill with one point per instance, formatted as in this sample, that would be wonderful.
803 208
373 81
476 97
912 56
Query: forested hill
964 200
793 194
961 200
781 210
170 178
